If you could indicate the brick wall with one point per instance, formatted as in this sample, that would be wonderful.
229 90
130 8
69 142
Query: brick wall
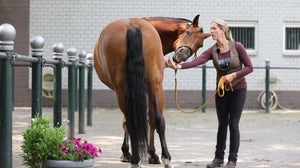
16 13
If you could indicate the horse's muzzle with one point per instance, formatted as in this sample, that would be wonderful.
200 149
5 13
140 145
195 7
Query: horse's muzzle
181 55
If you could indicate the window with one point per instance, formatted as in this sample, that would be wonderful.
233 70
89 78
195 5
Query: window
291 38
245 35
245 32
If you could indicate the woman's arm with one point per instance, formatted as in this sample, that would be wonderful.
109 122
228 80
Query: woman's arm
203 58
245 60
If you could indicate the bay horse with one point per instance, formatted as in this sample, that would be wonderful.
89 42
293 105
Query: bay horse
128 58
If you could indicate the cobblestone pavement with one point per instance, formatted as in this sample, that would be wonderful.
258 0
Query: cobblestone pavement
267 140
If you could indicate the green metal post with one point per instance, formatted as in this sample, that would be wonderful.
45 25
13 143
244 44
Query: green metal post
82 56
71 91
13 88
6 112
37 44
267 84
203 87
58 50
7 35
76 88
90 90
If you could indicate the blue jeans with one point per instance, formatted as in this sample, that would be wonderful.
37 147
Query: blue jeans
229 111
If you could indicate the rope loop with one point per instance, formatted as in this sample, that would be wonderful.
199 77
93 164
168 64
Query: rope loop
222 87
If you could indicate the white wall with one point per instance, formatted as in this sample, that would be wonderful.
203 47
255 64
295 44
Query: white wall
78 23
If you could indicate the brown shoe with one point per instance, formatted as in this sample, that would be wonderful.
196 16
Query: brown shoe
215 163
230 164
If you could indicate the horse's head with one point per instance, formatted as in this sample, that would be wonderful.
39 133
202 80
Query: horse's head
189 41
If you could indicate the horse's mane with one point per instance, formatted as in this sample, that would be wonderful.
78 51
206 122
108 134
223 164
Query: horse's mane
181 19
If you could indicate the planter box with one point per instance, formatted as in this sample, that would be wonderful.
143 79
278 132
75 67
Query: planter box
68 164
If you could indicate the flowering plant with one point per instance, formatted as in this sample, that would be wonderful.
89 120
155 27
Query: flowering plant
43 142
75 150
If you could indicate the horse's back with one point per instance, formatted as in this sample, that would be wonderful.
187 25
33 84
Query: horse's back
110 50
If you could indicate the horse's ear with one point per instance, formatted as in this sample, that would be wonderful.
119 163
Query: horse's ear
195 21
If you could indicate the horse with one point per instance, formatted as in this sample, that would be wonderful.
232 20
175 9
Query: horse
128 58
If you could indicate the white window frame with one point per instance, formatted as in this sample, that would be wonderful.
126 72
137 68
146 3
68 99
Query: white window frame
290 25
247 24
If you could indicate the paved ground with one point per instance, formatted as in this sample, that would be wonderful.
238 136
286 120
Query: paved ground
267 140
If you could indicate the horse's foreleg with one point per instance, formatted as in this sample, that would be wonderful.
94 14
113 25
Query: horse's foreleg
126 156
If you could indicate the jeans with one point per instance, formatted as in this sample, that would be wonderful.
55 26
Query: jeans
229 111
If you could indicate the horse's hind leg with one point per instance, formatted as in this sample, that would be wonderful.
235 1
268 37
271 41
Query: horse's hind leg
156 103
126 156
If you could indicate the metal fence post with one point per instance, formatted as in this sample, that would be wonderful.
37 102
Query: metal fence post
72 52
90 90
76 85
203 87
37 44
58 50
82 57
7 35
267 84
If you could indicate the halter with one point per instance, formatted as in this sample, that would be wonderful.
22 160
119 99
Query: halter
191 50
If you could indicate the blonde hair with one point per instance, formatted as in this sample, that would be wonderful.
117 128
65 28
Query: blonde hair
223 25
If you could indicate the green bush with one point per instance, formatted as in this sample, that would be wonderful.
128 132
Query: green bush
41 142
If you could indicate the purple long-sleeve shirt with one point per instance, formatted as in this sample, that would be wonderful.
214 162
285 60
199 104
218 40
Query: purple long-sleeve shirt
207 55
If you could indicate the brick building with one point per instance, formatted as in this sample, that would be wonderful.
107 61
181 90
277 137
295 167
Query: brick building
268 29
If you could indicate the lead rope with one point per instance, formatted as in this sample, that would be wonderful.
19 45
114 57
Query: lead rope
222 87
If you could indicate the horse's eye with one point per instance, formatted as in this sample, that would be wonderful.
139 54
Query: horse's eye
188 32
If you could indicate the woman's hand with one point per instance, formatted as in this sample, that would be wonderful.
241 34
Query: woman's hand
228 78
169 63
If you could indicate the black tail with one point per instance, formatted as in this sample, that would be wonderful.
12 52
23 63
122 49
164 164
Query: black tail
136 105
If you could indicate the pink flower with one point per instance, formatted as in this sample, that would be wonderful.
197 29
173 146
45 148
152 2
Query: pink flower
76 148
80 156
59 146
93 150
100 150
65 150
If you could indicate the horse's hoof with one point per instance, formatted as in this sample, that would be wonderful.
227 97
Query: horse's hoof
125 158
134 166
169 166
167 163
153 160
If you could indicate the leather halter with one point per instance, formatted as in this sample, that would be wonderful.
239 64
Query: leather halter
191 50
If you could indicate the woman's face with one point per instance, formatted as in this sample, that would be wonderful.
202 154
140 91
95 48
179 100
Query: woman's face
216 32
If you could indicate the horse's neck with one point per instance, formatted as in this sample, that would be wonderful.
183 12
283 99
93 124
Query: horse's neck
167 39
167 32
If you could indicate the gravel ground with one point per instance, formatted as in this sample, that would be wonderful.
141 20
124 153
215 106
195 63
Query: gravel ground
267 140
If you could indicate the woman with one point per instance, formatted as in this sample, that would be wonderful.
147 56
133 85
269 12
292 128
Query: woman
228 58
